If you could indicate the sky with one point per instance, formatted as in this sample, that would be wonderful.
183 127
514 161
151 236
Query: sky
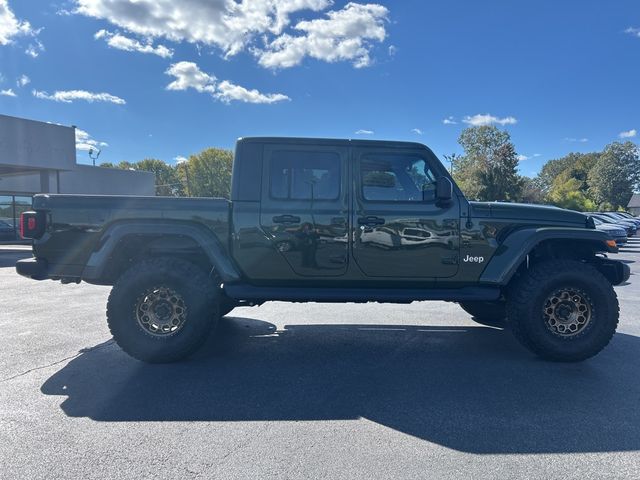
165 79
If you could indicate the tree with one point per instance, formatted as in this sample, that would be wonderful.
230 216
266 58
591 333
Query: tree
567 192
532 191
209 173
167 179
616 175
488 168
577 165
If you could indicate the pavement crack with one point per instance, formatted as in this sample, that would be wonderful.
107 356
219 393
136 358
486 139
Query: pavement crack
57 362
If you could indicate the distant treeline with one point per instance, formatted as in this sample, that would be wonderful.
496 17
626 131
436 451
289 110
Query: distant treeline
488 170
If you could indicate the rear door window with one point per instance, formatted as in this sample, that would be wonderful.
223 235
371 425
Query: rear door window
299 175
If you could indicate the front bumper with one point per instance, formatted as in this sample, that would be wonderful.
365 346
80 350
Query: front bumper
616 271
34 268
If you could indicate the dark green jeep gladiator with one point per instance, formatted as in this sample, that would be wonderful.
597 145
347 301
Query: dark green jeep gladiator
315 220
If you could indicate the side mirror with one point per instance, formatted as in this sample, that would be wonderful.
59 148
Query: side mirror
444 189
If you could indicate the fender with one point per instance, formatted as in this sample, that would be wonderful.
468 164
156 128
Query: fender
203 237
514 250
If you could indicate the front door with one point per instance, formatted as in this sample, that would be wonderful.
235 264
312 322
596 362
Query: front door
304 208
400 229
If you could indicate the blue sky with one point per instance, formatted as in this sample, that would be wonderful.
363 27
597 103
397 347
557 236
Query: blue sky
163 79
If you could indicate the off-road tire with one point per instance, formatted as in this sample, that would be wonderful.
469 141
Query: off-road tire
195 288
528 298
492 314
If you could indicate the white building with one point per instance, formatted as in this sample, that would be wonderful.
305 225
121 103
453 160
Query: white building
39 157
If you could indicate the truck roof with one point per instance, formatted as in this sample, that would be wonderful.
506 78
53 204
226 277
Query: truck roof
332 141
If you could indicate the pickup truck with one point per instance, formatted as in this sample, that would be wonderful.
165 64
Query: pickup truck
320 220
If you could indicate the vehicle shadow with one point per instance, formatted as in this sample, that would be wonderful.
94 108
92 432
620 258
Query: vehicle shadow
471 389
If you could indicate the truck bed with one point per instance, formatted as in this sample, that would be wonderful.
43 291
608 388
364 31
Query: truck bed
75 223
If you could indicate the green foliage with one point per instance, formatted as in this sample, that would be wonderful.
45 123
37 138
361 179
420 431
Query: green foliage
567 192
575 165
208 173
167 179
532 191
488 168
616 174
564 181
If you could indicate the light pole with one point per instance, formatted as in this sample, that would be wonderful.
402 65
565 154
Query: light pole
94 153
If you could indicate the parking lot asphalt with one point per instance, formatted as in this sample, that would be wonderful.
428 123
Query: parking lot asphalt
309 391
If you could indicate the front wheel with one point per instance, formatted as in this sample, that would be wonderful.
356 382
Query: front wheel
162 309
563 310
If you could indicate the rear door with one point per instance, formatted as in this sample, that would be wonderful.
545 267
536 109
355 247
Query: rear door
400 230
304 207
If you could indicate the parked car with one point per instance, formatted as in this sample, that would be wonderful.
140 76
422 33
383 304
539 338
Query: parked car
629 225
628 215
617 232
7 232
618 216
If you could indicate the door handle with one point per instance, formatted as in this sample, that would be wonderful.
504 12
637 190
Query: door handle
286 219
370 220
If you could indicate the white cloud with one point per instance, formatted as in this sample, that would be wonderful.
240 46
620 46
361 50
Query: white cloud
579 140
188 75
35 49
85 142
121 42
23 80
364 132
450 121
633 31
227 24
228 92
488 119
392 50
522 158
235 26
69 96
628 134
10 26
346 35
417 131
8 93
181 159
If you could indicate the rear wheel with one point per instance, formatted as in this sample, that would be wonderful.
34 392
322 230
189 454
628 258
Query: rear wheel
563 310
162 309
492 314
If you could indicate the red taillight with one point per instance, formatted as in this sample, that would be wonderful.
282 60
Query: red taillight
32 224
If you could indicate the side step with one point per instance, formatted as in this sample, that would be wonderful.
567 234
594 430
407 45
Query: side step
252 293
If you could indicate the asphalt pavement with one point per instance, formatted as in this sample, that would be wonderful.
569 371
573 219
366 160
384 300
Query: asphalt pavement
309 391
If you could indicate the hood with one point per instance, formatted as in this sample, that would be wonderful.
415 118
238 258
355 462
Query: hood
525 211
609 227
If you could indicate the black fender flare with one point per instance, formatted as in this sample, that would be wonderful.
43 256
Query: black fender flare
515 248
203 237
